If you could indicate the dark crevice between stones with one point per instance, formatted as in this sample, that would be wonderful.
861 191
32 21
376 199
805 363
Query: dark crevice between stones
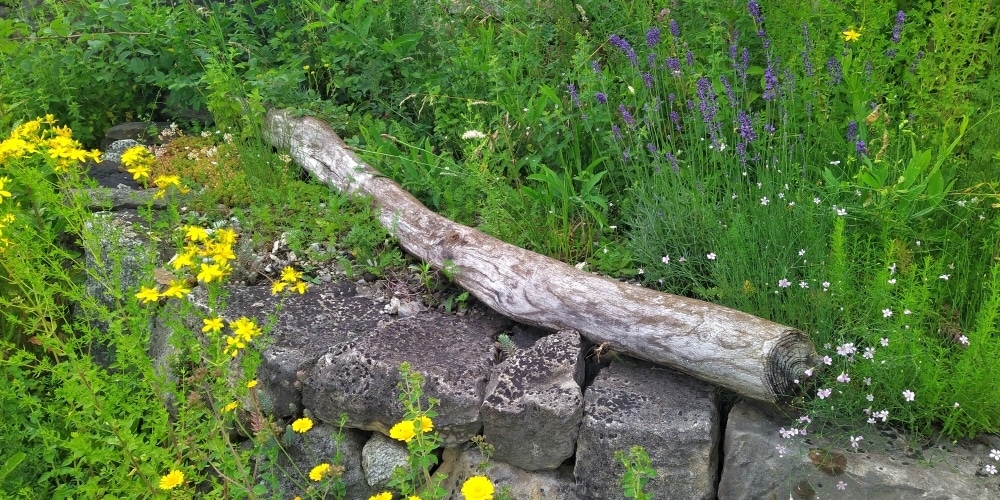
598 357
727 399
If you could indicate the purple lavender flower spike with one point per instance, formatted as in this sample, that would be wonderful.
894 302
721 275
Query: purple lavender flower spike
648 80
676 120
652 36
596 67
674 65
755 13
690 58
770 84
673 162
617 132
624 46
651 60
897 30
626 116
674 30
651 147
746 126
833 66
601 97
861 148
573 96
741 70
625 156
729 90
852 130
806 62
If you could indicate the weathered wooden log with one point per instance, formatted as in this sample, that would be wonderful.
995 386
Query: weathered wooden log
750 355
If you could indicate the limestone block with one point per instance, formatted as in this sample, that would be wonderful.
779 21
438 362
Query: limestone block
459 465
882 468
308 324
360 377
674 417
534 403
380 457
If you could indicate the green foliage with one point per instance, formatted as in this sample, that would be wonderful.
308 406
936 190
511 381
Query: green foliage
638 471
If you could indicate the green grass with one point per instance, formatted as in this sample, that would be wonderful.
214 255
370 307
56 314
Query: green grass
845 188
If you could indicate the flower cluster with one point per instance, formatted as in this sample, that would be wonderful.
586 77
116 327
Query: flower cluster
291 279
172 480
138 161
206 255
42 137
408 429
5 221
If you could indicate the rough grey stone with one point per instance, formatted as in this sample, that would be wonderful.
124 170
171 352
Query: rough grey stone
307 325
120 199
115 255
380 457
317 446
453 354
138 131
534 403
459 465
116 149
674 417
754 468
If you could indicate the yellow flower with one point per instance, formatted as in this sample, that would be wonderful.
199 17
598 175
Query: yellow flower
195 233
412 497
176 289
222 253
316 474
245 329
851 35
138 172
478 488
3 192
403 431
290 275
423 424
230 407
211 325
210 272
278 286
148 294
251 384
300 287
385 495
233 346
165 181
183 260
226 236
302 425
172 480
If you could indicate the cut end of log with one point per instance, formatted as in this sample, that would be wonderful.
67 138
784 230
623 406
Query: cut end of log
787 363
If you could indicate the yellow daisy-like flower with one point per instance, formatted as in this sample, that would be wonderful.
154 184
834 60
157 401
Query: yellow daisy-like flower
226 236
165 181
3 192
423 424
412 497
385 495
851 35
212 325
172 480
478 488
183 260
139 172
316 474
278 286
210 272
176 289
300 287
222 253
245 329
195 233
230 407
233 346
403 431
148 294
302 425
290 275
251 384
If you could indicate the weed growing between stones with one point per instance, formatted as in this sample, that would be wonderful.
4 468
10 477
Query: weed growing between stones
638 470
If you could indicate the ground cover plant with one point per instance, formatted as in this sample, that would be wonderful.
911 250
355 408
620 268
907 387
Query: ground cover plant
831 168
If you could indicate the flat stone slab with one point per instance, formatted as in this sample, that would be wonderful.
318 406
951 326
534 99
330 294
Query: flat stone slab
307 326
454 354
534 403
460 464
673 416
754 467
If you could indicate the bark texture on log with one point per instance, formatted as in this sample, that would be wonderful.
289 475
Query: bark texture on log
749 355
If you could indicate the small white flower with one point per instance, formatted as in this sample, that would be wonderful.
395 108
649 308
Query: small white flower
835 162
869 353
907 312
855 440
963 340
841 485
868 381
803 284
994 454
640 271
711 256
783 283
824 393
870 397
841 212
782 451
886 313
827 360
665 259
809 372
816 201
884 341
945 277
990 469
764 201
843 378
892 281
826 285
909 395
802 251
